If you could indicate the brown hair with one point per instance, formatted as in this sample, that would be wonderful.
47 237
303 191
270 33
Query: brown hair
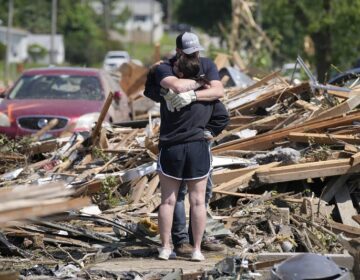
189 66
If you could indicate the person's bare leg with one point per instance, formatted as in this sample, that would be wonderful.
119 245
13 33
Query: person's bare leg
196 190
169 191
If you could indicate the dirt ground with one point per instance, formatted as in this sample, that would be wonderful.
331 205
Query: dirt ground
151 266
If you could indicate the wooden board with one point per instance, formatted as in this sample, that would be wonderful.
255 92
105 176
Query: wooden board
321 138
267 140
303 171
243 180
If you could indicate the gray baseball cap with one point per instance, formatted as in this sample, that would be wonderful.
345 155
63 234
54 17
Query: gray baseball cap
188 43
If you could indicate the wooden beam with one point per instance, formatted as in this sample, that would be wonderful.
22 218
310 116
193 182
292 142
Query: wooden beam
243 180
96 132
266 140
355 159
222 176
303 171
46 128
340 109
348 230
138 189
37 211
260 83
340 94
356 218
306 105
321 138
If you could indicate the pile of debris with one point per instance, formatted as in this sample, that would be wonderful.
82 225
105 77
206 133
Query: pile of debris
285 181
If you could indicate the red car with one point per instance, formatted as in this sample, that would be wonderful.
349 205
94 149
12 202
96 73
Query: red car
74 96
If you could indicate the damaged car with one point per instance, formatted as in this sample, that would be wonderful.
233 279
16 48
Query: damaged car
73 96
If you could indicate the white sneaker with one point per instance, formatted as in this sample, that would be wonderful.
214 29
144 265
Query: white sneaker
165 253
197 256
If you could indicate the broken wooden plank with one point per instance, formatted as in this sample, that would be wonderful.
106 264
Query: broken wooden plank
46 128
340 109
221 60
340 94
138 189
303 171
222 176
243 181
260 83
96 131
22 214
339 227
321 138
355 159
153 184
356 218
306 105
267 140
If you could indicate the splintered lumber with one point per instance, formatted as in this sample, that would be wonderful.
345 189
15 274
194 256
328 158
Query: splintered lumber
41 209
260 83
222 176
133 77
221 60
268 140
243 180
355 159
356 218
96 132
303 171
46 128
306 105
340 94
321 138
270 121
271 97
339 227
153 184
340 109
138 190
11 157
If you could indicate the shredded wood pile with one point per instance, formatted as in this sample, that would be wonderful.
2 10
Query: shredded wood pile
285 180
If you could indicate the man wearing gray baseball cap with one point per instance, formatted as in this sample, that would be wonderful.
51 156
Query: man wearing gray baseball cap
188 43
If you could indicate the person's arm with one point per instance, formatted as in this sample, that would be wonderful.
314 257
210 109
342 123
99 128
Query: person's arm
213 92
219 118
180 85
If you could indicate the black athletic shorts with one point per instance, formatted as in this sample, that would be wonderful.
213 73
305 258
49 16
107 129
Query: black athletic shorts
188 161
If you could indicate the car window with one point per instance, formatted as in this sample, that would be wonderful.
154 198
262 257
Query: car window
116 56
57 87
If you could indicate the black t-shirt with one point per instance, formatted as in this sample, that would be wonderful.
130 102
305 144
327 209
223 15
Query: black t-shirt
188 124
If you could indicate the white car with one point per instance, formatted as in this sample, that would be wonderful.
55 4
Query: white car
114 59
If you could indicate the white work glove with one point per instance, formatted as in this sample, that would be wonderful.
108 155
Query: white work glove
169 96
182 99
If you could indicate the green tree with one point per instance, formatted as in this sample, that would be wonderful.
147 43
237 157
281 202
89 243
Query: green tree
34 16
332 26
84 32
84 39
205 14
36 52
